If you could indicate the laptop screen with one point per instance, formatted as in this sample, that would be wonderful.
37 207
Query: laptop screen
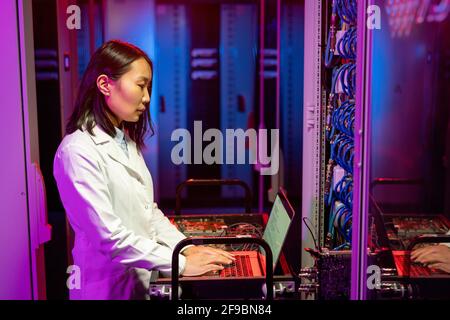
277 228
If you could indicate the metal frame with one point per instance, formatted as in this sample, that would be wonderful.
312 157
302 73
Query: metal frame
223 240
311 190
261 93
361 163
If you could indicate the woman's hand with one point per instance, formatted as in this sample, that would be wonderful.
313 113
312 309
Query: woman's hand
208 250
436 257
201 260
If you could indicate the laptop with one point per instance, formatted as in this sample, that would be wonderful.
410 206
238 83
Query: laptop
252 263
400 259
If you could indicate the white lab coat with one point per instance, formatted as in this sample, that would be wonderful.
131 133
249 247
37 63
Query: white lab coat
120 234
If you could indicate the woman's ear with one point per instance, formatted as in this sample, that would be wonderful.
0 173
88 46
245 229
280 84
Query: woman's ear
103 84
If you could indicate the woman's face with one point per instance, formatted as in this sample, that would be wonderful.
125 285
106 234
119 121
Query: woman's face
129 95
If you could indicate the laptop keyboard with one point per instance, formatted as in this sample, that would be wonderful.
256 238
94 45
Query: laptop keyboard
241 267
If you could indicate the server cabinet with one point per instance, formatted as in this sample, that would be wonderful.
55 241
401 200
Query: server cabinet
401 159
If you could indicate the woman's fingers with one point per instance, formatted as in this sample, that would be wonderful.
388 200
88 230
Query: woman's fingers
431 255
213 267
217 258
209 268
441 266
221 252
421 254
227 254
427 258
205 260
214 251
416 253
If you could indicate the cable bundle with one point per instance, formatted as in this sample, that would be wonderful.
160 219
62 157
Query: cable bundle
344 77
344 190
340 54
347 10
344 11
243 229
346 45
343 118
342 152
340 221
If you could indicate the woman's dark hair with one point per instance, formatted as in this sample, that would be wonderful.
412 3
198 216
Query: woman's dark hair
113 59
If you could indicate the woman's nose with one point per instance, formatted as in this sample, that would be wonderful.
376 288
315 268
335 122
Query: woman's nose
146 98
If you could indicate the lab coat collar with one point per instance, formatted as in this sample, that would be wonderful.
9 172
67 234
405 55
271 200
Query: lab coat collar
113 149
99 136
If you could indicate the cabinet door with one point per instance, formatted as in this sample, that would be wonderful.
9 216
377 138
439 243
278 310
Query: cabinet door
172 65
291 100
238 43
15 261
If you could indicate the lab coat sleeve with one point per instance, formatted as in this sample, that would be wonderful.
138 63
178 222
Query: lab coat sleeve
166 232
87 200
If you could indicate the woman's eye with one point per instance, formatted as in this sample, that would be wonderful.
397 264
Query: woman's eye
141 86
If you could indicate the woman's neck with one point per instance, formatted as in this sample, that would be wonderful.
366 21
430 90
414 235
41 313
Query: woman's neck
115 121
